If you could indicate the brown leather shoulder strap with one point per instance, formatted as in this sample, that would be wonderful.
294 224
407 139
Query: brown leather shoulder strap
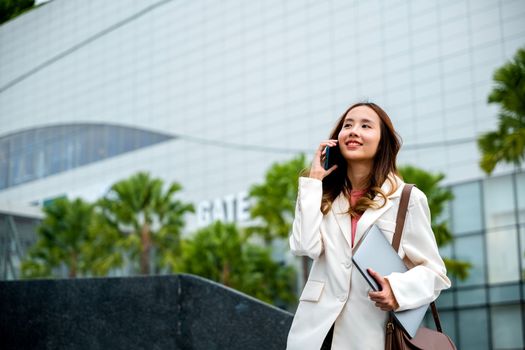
435 314
396 240
401 215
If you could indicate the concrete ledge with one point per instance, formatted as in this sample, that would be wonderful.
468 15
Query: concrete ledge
159 312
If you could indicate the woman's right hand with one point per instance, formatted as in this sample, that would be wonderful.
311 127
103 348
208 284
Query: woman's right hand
317 170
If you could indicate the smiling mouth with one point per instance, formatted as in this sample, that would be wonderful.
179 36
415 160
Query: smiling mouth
353 143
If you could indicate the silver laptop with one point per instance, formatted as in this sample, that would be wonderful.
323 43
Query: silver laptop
375 252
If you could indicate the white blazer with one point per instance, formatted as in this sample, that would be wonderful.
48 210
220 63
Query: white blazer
335 291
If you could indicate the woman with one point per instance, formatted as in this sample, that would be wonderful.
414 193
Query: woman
335 207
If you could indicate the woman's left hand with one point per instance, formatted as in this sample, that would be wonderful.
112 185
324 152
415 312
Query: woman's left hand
384 299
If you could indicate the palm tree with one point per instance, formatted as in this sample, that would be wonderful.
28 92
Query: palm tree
147 217
507 143
274 203
437 198
12 9
63 237
221 252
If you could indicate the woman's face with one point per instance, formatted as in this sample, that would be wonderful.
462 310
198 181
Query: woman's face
360 135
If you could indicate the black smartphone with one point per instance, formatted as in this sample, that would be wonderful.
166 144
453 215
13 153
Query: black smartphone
332 154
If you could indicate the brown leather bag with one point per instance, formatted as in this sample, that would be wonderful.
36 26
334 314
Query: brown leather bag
426 338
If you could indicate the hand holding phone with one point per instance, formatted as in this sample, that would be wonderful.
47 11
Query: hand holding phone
330 157
325 159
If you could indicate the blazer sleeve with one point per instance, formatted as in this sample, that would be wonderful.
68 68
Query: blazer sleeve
306 236
422 283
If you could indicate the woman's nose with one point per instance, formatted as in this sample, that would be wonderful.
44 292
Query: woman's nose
353 131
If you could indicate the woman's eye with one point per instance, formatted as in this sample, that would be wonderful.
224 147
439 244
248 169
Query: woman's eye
347 125
366 126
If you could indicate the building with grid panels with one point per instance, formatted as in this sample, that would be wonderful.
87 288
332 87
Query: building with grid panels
210 94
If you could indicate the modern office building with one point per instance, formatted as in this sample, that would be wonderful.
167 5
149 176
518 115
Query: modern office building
210 94
17 235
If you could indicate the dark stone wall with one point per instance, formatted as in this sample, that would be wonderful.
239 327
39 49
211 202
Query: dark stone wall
160 312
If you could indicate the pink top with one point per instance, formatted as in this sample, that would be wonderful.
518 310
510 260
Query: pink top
354 197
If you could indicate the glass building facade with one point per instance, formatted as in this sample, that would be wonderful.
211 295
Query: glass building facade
33 154
17 235
209 94
487 310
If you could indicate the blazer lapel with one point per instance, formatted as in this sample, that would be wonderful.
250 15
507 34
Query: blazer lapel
368 218
340 209
371 215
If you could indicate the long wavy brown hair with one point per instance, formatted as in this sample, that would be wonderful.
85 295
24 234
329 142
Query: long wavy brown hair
384 165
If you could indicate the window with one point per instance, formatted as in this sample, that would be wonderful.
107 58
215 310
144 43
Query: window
504 293
466 208
507 327
520 192
522 253
476 296
36 153
473 329
499 202
502 255
471 249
